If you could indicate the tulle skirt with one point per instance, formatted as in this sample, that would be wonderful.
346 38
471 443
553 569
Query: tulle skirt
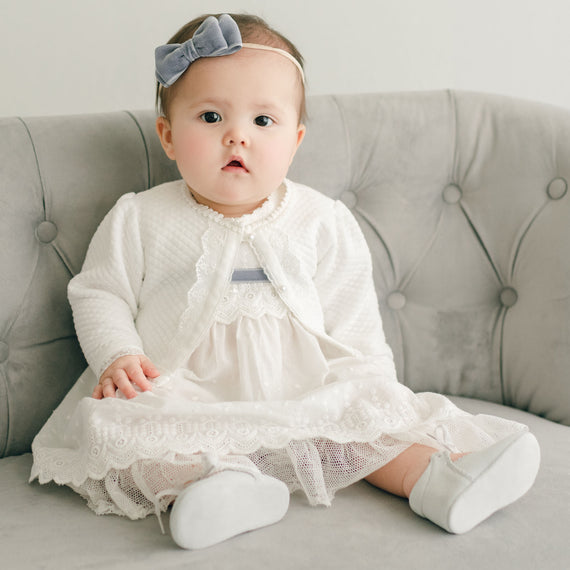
310 413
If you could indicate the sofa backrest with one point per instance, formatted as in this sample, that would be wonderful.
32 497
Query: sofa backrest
462 197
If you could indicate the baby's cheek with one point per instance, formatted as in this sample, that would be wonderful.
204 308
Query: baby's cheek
279 158
192 146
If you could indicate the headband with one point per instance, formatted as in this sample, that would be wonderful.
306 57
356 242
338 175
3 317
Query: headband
213 38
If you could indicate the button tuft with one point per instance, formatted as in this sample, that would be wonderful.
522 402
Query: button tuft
46 232
557 188
4 351
508 297
349 198
396 300
452 194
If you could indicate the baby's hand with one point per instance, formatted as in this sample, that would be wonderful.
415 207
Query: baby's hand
122 374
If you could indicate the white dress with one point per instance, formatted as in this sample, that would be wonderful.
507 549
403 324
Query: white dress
260 392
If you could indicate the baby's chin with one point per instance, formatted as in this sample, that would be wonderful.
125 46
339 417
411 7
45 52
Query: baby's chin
231 209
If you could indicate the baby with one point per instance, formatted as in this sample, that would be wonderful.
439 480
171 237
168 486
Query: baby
231 327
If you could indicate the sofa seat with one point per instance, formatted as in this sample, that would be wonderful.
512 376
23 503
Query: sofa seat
50 527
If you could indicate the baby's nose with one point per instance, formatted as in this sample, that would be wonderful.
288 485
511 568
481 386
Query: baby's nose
236 136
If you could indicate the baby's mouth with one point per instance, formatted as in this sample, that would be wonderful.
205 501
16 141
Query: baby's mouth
235 165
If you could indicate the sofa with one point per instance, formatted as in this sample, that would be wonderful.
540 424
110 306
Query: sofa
463 198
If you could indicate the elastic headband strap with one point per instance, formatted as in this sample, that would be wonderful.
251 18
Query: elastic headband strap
282 52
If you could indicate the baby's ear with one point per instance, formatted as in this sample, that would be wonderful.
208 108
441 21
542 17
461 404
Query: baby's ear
300 136
301 130
164 131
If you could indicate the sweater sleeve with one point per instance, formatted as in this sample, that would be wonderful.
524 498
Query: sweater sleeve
346 288
104 295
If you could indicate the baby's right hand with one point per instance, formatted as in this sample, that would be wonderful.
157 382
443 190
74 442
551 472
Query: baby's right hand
122 374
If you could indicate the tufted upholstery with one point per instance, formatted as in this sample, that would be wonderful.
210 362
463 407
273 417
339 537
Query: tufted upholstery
463 198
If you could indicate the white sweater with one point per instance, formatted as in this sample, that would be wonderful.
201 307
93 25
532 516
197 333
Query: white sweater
160 263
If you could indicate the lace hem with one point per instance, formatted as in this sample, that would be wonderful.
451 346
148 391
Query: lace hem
112 439
319 468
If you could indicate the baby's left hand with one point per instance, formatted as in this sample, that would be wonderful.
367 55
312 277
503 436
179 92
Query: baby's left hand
122 374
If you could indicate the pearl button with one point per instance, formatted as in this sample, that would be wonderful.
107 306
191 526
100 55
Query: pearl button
250 237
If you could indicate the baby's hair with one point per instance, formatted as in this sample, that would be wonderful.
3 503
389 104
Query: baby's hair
253 30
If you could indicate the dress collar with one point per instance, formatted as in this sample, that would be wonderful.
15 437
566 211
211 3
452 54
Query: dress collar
269 209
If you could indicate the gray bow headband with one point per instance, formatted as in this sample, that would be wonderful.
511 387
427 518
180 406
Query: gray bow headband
212 39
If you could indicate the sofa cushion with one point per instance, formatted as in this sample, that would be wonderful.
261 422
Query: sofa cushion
51 527
464 200
59 177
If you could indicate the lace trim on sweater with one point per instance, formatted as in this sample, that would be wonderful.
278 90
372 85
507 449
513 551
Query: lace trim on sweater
270 209
253 300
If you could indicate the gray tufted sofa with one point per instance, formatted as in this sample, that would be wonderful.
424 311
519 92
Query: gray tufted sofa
464 200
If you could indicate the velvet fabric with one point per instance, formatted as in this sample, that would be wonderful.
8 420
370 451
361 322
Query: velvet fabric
214 38
464 201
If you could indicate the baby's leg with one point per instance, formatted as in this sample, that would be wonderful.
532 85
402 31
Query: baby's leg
226 504
401 474
458 492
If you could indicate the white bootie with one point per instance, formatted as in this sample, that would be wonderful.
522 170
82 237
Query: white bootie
458 495
226 504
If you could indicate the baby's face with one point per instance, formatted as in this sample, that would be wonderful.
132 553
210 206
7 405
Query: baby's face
234 128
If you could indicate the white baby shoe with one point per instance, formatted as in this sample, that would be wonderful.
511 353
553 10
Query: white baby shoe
226 504
458 495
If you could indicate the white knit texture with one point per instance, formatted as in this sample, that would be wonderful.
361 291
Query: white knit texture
158 255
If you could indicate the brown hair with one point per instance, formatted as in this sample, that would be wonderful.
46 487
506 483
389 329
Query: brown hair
253 30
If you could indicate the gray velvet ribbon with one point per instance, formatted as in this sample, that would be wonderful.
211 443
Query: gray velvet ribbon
212 39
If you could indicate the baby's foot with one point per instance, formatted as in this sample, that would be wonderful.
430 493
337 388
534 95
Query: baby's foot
458 495
224 505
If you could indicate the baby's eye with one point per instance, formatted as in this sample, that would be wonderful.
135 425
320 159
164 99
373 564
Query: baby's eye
263 121
211 117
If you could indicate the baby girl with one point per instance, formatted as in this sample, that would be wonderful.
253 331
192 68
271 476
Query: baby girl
233 336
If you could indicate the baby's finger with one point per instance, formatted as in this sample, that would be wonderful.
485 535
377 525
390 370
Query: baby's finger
108 387
149 368
97 392
136 375
122 382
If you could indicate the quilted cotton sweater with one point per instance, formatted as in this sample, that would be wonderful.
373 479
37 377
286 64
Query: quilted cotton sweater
160 263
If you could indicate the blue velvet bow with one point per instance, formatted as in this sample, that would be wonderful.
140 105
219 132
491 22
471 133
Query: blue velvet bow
213 38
